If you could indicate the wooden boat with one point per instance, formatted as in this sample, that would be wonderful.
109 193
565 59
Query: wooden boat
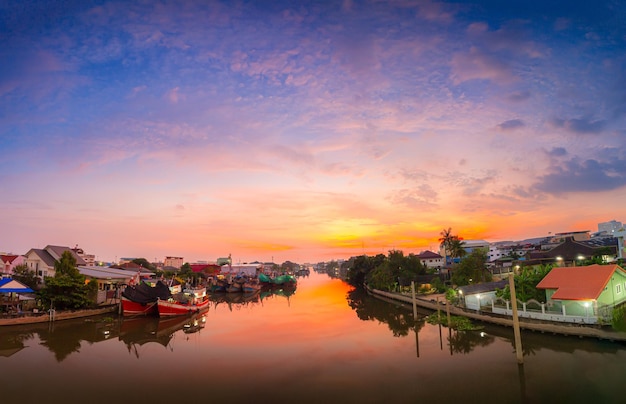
251 286
234 287
280 280
141 299
175 307
190 301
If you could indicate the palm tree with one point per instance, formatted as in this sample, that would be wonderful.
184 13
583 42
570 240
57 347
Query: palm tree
445 242
457 248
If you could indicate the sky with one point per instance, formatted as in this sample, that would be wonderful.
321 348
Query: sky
310 130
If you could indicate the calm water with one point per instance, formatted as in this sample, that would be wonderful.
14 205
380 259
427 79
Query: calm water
324 343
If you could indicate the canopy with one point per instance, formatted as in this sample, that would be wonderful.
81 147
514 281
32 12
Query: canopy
8 285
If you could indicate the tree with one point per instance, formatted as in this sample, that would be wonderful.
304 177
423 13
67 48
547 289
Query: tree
472 269
144 263
526 284
457 247
29 278
445 241
452 245
67 289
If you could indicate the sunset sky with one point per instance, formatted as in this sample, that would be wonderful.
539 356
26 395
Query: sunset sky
307 130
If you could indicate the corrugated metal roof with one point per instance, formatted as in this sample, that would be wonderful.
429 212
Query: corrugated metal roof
483 287
107 272
578 283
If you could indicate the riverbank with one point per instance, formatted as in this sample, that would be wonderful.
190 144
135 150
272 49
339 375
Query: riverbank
581 331
58 316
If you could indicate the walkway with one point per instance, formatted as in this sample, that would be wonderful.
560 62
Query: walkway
527 324
59 315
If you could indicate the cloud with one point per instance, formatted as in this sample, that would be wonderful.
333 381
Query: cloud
478 65
557 152
581 126
588 175
518 96
472 185
421 197
511 125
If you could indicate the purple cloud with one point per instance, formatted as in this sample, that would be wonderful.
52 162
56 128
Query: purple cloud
589 175
510 125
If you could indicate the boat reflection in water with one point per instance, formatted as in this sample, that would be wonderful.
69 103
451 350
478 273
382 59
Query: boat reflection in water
139 331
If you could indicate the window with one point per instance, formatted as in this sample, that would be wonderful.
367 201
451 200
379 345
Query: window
618 288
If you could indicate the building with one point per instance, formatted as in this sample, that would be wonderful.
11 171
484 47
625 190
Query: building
431 259
589 291
610 227
480 294
174 262
570 252
90 259
576 235
42 261
8 262
110 280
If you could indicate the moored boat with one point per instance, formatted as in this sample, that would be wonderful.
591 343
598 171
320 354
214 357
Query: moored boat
189 302
141 299
280 280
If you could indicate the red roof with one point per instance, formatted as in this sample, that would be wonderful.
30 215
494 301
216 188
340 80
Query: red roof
8 258
205 267
578 283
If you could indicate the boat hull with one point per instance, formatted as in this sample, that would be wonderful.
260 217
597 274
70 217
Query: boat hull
168 308
130 308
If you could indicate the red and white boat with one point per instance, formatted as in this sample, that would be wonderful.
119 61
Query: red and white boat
189 302
141 299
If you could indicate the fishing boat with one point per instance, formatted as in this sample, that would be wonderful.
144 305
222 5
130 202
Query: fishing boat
251 285
188 302
141 299
280 280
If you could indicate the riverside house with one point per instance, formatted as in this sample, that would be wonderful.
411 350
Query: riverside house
581 295
589 291
41 261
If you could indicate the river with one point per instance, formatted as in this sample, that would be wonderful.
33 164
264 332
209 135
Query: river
322 343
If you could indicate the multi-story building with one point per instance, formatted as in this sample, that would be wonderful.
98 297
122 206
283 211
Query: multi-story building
610 227
175 262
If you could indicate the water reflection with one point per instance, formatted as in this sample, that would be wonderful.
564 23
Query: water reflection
395 315
322 343
399 319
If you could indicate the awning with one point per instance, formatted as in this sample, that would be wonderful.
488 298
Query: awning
8 285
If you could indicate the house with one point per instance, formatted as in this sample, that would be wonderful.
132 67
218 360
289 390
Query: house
246 269
41 261
109 280
8 262
431 259
480 294
570 251
591 290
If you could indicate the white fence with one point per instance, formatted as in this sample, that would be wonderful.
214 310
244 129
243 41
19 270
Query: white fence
536 310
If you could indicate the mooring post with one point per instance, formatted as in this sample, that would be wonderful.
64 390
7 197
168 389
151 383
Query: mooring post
516 330
414 302
448 312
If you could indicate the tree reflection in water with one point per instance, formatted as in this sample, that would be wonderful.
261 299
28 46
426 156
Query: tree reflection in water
399 317
396 316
